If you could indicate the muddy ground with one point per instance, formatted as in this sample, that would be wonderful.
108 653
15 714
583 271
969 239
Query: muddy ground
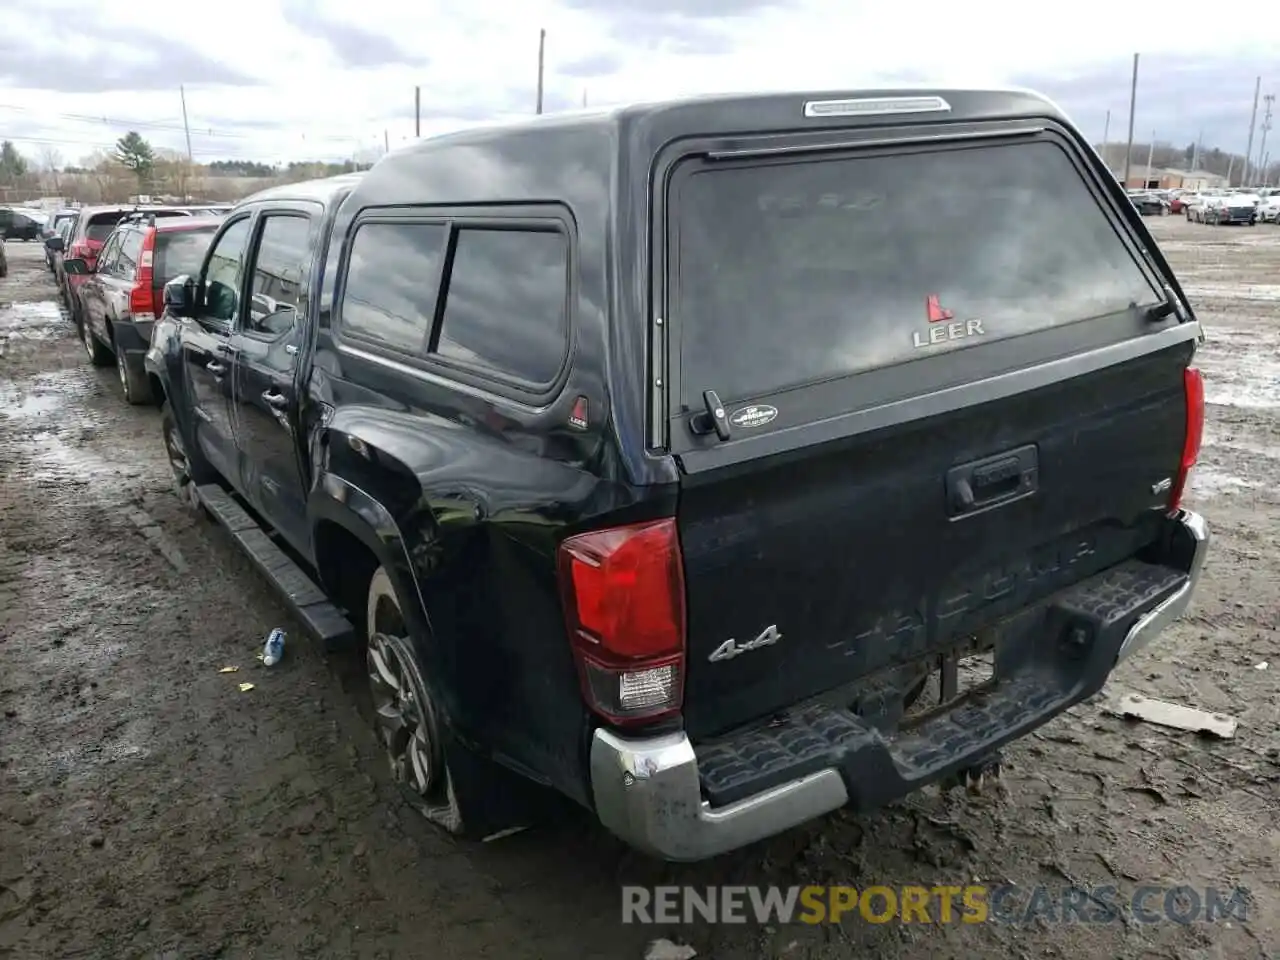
150 809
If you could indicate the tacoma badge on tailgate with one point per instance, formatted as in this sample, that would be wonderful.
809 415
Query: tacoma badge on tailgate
731 648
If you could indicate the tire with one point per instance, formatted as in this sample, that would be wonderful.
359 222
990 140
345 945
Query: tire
407 721
189 467
134 384
99 355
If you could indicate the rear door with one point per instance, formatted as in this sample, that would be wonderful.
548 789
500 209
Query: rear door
265 346
92 296
117 284
206 345
944 394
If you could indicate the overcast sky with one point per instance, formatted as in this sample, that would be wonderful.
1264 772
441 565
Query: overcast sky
281 80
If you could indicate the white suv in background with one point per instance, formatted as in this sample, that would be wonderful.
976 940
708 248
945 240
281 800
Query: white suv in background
1269 209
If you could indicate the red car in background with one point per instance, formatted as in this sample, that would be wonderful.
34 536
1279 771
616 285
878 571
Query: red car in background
92 228
123 294
1178 202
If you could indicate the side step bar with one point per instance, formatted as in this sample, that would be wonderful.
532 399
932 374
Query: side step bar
322 619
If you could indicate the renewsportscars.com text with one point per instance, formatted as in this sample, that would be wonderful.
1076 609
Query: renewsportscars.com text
971 903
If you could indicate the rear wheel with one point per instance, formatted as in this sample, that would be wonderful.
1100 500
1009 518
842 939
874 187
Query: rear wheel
189 467
99 355
406 715
134 383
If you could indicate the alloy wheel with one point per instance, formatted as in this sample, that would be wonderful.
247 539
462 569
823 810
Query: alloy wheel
122 373
178 462
402 710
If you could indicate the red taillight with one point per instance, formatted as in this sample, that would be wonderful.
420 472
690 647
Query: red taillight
142 299
623 595
1194 389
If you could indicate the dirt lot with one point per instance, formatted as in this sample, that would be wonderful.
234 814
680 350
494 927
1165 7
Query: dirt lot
150 809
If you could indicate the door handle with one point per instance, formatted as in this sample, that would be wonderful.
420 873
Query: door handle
277 400
214 367
992 481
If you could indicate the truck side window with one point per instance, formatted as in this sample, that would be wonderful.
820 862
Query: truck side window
222 272
393 277
507 306
279 274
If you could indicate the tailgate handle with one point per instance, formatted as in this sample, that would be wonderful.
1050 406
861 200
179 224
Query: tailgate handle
992 481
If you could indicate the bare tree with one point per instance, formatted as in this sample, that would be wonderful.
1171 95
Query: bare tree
112 180
175 174
51 166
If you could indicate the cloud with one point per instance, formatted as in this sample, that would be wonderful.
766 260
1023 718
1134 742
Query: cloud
80 66
593 65
327 79
356 46
693 9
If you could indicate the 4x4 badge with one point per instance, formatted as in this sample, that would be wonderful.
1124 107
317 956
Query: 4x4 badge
732 648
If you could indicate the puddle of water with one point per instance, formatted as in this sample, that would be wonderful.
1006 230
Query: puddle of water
15 316
1267 292
55 459
48 392
32 405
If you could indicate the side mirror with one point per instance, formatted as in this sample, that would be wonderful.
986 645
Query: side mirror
75 267
178 298
55 244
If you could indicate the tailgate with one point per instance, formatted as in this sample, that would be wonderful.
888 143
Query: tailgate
949 390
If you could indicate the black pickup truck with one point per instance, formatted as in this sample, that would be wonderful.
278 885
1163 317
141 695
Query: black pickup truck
684 459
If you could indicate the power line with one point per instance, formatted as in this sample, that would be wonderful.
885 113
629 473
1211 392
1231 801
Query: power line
195 131
118 122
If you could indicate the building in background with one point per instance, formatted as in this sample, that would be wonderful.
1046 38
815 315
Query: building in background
1163 178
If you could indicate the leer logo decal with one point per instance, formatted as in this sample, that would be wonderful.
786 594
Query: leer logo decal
754 416
943 325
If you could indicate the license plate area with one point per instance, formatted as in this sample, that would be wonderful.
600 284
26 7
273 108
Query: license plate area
949 679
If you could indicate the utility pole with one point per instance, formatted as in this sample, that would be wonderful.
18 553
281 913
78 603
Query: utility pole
1106 134
1151 155
386 141
1133 101
1231 165
542 50
1253 118
1269 99
183 94
1195 154
417 111
584 97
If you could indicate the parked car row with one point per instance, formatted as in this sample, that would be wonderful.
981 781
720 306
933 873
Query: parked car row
1221 208
624 503
111 264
